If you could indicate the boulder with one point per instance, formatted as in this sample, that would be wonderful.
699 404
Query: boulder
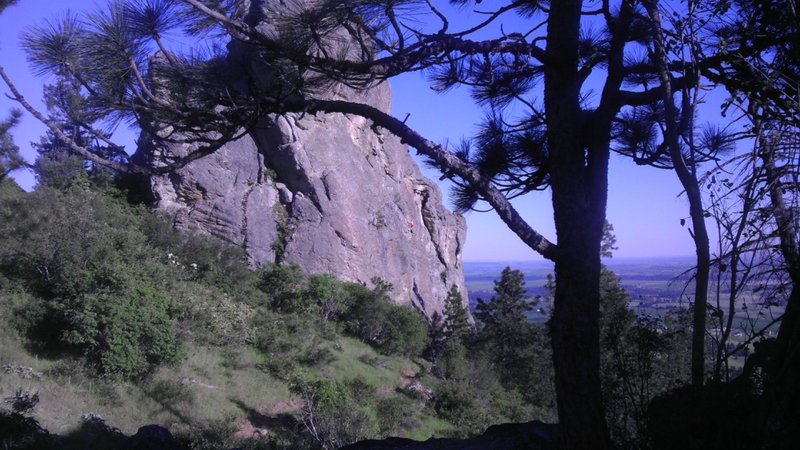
533 435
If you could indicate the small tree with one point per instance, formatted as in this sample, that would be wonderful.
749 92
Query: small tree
503 316
504 324
10 158
456 322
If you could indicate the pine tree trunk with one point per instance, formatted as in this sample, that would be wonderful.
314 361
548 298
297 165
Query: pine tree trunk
782 394
579 186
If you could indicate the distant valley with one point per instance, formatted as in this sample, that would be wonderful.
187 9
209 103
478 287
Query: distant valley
654 283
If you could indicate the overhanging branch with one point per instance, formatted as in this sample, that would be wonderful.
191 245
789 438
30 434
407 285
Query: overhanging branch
89 155
445 160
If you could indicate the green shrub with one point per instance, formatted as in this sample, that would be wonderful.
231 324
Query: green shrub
127 331
286 288
330 414
406 331
331 296
314 354
455 403
201 257
391 328
396 414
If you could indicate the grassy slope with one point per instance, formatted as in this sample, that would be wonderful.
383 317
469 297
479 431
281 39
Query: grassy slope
211 385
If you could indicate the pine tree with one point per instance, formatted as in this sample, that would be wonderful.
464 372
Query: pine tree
10 158
505 325
456 322
57 165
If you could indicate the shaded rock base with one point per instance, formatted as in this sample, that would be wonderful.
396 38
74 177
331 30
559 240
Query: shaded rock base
530 436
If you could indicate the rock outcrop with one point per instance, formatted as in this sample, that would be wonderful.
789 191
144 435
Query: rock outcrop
331 193
508 436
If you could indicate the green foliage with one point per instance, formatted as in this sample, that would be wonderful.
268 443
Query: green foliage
285 286
330 414
520 349
503 316
83 251
330 296
457 404
437 338
86 274
202 258
396 414
10 159
127 331
456 322
453 364
58 168
392 328
609 241
641 358
478 399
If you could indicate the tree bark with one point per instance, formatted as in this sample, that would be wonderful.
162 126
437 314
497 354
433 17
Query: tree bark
579 189
688 179
782 390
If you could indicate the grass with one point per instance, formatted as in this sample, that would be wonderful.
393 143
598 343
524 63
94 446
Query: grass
430 426
211 385
357 360
206 387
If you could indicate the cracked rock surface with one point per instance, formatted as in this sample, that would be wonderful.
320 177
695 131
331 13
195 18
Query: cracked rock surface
330 193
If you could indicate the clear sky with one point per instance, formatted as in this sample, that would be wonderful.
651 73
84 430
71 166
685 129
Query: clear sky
644 204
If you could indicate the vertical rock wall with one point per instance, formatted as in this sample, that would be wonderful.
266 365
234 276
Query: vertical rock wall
330 193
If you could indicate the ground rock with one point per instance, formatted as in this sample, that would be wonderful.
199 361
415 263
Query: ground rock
154 437
508 436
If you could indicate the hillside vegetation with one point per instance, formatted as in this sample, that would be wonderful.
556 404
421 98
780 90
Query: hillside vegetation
112 320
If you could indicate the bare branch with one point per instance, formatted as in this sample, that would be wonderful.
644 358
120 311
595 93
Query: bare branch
446 161
89 155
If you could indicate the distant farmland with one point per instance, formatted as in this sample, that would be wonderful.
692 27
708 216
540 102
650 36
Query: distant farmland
655 285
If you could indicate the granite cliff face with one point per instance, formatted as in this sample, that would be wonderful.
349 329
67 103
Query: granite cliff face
330 193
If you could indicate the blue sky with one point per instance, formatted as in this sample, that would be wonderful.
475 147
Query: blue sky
644 204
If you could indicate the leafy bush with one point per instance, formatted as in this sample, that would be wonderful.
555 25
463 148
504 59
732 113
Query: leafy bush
391 328
331 296
455 403
396 414
128 331
330 414
202 258
406 331
100 288
286 288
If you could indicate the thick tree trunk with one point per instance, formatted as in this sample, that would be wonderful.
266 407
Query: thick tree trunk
575 339
579 186
782 395
782 418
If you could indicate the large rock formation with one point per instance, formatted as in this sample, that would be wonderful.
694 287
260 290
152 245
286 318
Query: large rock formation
330 193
